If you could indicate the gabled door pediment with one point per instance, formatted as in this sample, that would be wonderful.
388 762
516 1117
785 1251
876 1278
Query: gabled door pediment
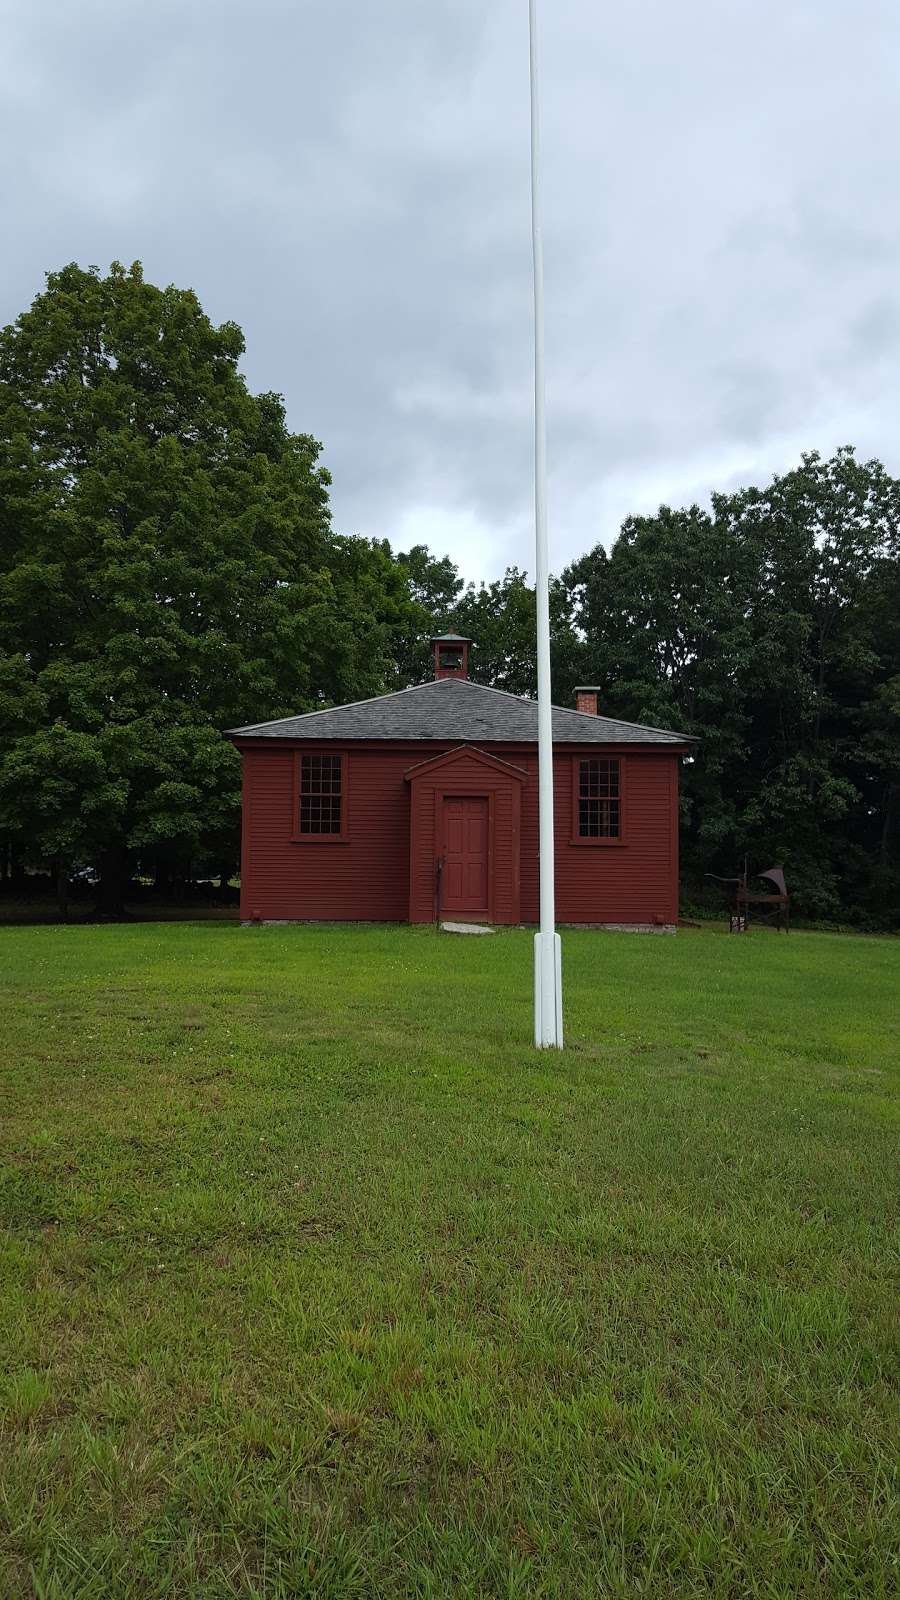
469 752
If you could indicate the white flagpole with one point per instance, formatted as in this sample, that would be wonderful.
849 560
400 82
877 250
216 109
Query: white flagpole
548 1027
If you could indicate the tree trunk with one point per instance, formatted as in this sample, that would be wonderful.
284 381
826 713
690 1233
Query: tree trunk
16 869
62 888
113 866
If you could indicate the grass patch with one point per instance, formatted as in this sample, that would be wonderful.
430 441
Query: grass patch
319 1281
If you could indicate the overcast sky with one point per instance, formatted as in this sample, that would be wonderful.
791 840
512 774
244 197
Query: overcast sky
348 180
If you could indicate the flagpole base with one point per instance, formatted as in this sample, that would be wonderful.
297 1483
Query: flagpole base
548 1024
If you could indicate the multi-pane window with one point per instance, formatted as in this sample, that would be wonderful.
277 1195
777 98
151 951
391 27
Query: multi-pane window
599 799
320 794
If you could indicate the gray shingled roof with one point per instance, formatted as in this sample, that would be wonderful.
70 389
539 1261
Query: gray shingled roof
455 709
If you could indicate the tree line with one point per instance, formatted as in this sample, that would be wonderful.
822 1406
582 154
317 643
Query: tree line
169 568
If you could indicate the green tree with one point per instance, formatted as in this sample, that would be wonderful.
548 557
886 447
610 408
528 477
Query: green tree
669 639
434 582
433 585
167 569
500 618
828 793
768 628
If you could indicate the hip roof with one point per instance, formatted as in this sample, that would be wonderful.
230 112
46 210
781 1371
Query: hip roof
457 709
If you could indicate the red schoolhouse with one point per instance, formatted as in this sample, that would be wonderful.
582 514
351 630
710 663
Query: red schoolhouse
424 804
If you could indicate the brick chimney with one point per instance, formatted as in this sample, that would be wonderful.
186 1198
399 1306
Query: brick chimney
586 698
451 655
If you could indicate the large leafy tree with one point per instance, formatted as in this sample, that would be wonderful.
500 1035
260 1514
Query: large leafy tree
768 627
500 618
670 636
167 569
432 585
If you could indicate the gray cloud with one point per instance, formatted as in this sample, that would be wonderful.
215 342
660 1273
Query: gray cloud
349 181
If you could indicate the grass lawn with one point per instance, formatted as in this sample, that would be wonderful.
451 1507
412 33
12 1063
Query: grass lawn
318 1281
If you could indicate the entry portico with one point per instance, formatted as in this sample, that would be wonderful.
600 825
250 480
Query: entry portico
465 829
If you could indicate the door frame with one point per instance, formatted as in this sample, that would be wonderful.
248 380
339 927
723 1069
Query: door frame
468 791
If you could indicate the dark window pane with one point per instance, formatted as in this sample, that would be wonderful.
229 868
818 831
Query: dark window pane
320 794
598 799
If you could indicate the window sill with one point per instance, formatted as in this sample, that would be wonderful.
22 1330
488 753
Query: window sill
595 844
319 838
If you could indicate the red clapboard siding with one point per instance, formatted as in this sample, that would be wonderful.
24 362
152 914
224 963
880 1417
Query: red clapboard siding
365 877
384 871
636 881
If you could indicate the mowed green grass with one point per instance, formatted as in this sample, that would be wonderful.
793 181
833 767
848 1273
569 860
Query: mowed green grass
319 1281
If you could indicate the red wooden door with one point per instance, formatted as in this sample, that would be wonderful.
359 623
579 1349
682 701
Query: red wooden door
465 880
